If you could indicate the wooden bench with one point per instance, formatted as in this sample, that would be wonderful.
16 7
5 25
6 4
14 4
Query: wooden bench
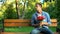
24 22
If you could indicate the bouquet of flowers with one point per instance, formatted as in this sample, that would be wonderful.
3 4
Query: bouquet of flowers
40 18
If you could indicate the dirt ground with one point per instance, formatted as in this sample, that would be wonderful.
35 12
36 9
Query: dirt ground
18 33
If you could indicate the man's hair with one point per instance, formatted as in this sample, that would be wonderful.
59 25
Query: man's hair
38 4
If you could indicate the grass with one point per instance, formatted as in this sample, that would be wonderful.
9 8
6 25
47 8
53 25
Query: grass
18 29
23 29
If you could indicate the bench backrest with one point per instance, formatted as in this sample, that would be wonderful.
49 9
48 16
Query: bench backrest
23 22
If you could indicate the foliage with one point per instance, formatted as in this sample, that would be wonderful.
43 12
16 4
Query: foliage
10 12
58 12
58 9
51 9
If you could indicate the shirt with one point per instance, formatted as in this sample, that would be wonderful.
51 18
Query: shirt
35 21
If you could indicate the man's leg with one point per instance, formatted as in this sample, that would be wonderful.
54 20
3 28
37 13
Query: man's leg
35 31
46 31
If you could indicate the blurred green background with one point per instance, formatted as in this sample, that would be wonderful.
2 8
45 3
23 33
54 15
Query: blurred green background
23 9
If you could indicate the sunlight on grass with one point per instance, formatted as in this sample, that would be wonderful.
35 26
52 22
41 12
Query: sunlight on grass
23 29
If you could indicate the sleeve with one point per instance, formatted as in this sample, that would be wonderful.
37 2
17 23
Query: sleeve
48 19
32 20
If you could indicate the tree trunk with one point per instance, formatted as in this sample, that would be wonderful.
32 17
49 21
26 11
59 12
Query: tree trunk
17 9
23 12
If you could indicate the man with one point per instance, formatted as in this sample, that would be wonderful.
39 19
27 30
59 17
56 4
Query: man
45 22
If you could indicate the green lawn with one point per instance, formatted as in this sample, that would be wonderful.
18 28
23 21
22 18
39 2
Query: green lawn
23 29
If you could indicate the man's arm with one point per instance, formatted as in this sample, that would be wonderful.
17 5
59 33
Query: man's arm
44 23
48 20
33 20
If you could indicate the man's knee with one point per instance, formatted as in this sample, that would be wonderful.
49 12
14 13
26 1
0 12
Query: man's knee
35 31
49 31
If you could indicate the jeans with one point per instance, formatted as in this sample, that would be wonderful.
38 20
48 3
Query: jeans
41 30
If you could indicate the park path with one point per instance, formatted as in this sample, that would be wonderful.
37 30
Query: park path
18 33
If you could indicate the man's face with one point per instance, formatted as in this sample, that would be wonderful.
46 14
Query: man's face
39 8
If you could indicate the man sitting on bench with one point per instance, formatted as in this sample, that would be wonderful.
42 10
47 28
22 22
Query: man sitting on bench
37 18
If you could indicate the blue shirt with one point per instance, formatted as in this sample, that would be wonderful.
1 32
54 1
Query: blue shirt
35 21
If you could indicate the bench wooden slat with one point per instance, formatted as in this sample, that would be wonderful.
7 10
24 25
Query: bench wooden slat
16 20
16 24
53 20
23 22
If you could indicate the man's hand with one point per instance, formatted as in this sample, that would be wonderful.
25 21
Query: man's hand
36 25
44 23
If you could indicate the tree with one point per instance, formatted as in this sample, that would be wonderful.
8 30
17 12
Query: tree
25 8
58 9
17 9
23 11
10 12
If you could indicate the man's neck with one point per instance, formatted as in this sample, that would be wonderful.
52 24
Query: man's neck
40 12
